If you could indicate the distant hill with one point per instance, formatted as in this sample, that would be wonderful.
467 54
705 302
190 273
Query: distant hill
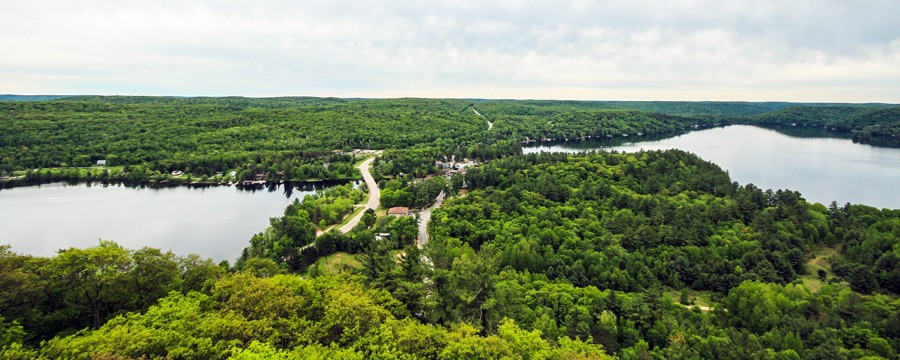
232 101
875 124
839 118
683 108
10 97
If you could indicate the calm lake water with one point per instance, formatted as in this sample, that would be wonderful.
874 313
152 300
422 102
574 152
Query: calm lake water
821 169
214 222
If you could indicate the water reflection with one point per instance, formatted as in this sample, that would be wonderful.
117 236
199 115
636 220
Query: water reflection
213 221
821 168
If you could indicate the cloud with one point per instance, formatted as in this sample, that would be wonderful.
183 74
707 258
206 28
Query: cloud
694 50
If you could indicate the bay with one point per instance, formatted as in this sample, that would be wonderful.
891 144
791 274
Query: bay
822 169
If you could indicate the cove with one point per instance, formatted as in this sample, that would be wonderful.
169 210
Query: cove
213 222
822 169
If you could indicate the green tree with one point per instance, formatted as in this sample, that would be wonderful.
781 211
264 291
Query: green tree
11 332
153 275
368 218
198 274
93 280
472 282
404 230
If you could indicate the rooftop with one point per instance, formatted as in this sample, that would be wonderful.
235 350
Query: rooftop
398 211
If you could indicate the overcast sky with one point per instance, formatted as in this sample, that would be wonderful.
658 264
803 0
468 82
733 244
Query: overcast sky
841 51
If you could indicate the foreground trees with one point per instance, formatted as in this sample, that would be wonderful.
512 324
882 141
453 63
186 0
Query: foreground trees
82 288
288 317
519 315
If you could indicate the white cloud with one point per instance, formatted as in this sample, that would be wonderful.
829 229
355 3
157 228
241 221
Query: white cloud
694 50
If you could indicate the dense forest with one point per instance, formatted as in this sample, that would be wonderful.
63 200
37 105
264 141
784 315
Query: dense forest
868 125
648 255
203 137
230 139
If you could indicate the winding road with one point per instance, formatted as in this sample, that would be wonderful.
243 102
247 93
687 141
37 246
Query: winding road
490 124
374 198
374 194
424 218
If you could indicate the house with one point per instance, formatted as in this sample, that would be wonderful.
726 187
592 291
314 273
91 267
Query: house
177 173
398 211
260 177
101 162
382 236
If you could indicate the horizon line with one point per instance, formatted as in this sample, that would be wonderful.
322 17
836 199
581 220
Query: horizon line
439 98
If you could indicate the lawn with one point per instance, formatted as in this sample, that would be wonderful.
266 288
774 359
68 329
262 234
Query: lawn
699 298
821 261
337 262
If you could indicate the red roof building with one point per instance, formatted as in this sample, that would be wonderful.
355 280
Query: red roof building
398 211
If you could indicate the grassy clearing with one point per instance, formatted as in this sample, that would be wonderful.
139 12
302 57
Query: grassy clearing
94 170
700 298
820 261
347 218
821 257
352 214
337 262
361 158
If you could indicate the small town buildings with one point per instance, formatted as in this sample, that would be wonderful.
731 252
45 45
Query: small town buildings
453 167
398 211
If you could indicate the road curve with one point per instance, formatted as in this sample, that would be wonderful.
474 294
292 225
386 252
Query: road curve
374 194
424 218
490 124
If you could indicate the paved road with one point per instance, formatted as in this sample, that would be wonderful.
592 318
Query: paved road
424 218
374 194
374 199
490 124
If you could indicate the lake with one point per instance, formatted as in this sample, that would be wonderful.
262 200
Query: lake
822 169
213 222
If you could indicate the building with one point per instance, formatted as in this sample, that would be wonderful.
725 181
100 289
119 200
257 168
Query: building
101 162
398 211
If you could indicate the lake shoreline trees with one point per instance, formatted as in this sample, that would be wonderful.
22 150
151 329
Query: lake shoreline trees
206 139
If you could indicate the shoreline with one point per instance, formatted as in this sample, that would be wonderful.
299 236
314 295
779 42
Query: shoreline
310 184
